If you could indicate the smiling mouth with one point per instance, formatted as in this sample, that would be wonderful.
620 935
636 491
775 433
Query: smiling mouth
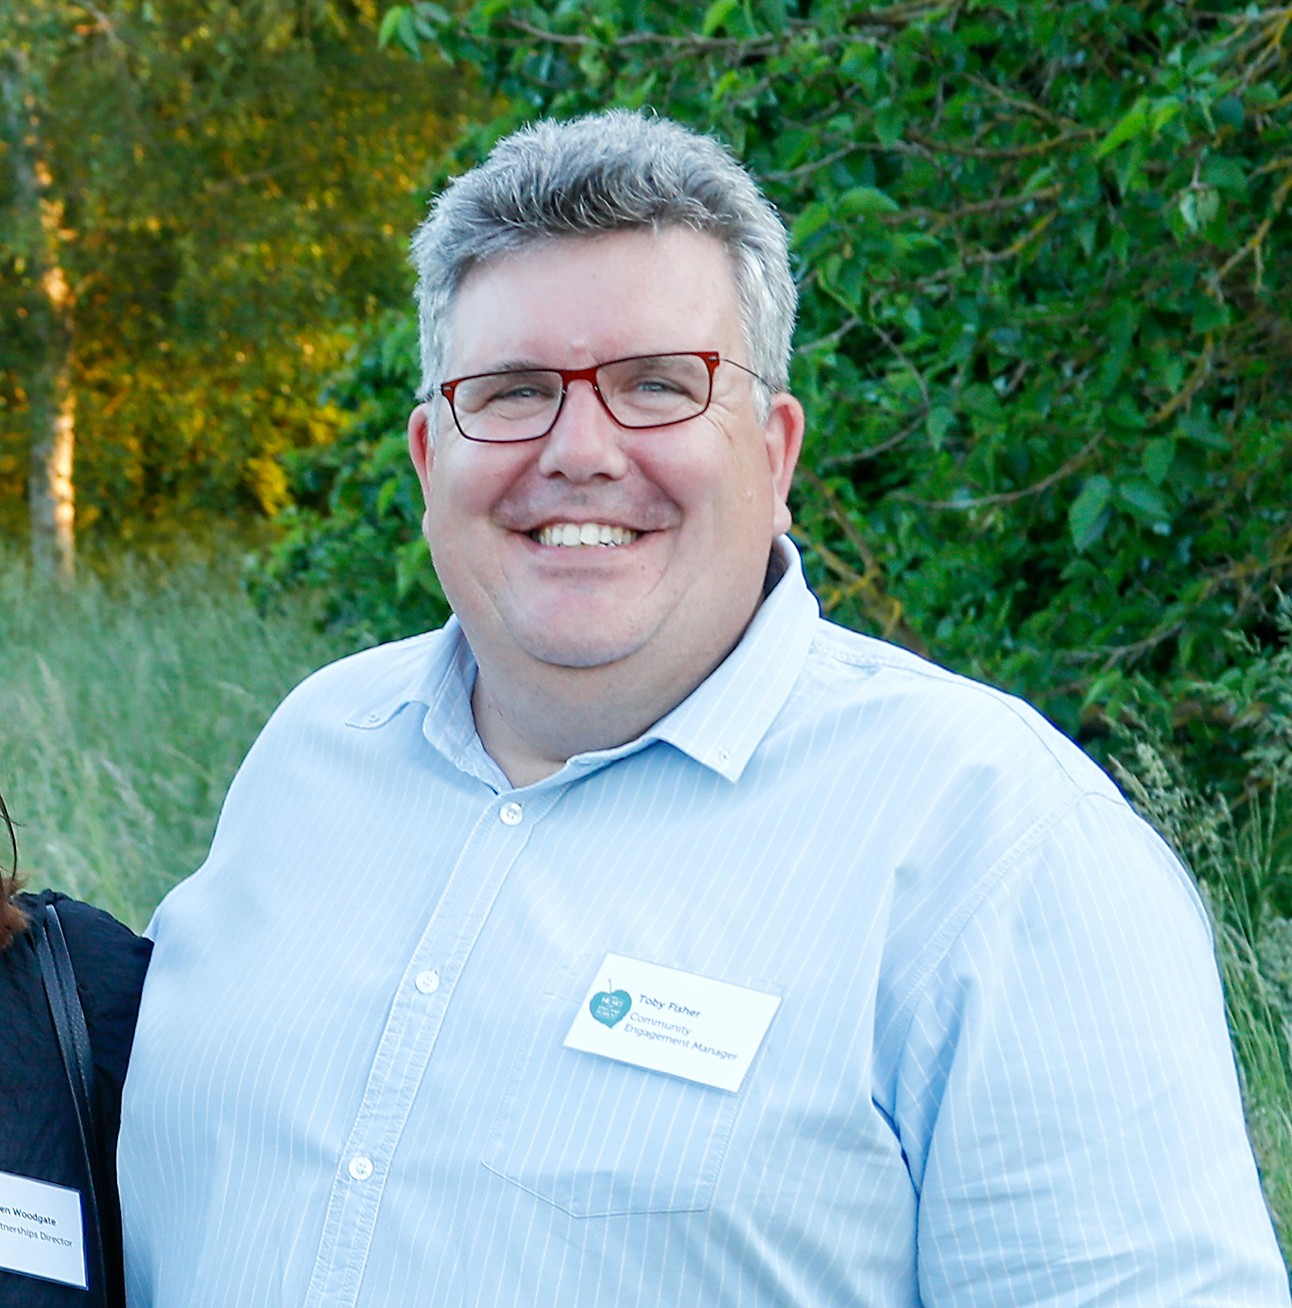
569 534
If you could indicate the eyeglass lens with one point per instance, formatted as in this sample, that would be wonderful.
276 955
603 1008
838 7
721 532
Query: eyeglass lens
646 392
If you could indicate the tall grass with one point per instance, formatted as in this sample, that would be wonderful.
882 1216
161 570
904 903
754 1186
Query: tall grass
1235 854
127 701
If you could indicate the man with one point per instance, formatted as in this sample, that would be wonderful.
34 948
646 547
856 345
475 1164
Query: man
641 938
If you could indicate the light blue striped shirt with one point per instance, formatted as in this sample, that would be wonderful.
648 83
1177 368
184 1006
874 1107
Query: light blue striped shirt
999 1073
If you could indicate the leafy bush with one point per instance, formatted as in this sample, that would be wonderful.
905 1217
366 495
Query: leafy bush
352 533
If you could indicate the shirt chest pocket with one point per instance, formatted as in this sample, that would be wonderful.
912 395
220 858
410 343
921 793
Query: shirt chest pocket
598 1138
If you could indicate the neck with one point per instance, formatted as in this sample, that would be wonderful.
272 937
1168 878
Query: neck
531 727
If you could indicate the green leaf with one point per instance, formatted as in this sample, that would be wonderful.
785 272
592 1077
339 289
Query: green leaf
1225 174
1163 112
1039 179
814 217
890 123
715 17
390 24
981 401
860 64
1157 459
774 14
1228 111
1211 315
406 29
1132 124
1264 95
939 421
864 200
386 496
1200 428
1121 332
1088 513
732 80
1145 501
1123 413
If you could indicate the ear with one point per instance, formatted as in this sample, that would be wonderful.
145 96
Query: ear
783 438
421 448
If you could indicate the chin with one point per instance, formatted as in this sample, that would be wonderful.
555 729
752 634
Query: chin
564 656
580 636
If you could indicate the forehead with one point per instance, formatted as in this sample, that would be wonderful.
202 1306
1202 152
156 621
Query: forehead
574 300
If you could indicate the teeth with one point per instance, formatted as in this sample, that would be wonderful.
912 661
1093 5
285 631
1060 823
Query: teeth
584 533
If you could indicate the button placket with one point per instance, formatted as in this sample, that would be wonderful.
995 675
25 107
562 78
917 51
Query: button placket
408 1040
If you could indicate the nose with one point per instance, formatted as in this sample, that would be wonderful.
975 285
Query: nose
586 442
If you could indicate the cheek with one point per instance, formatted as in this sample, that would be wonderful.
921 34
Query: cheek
442 523
462 487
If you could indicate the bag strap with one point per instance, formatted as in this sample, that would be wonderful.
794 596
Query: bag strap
78 1059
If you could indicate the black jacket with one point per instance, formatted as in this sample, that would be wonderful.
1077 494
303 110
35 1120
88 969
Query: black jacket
38 1132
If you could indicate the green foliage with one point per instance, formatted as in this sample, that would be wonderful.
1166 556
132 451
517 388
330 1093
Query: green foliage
236 184
1044 263
352 533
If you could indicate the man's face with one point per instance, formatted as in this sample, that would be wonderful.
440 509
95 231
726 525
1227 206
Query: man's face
696 505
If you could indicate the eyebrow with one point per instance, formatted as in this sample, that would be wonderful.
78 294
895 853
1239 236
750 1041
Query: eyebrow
509 365
529 364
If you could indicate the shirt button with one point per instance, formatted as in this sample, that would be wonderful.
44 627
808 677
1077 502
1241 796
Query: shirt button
428 982
511 813
360 1167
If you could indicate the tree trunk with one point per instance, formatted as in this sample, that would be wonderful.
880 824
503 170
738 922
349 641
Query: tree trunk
51 493
51 398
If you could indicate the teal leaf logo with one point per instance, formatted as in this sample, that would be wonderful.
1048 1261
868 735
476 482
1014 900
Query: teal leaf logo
610 1006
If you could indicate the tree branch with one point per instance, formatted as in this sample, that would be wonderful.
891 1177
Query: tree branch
1012 497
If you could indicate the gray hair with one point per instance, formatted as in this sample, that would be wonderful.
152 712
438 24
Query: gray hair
607 172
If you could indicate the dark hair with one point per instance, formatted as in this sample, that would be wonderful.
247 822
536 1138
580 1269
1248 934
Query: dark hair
12 918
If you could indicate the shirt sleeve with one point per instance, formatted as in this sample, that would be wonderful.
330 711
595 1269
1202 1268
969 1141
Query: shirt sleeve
1068 1097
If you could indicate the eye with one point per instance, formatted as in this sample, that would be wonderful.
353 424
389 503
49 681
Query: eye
515 391
508 391
658 384
661 378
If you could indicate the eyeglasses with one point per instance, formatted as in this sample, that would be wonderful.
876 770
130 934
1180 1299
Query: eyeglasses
646 390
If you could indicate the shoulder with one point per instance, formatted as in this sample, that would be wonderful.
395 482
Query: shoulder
953 721
372 676
949 787
110 961
92 934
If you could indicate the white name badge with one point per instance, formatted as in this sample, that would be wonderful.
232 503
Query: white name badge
672 1021
40 1230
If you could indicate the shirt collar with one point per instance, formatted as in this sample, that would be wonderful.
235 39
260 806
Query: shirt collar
719 724
722 721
